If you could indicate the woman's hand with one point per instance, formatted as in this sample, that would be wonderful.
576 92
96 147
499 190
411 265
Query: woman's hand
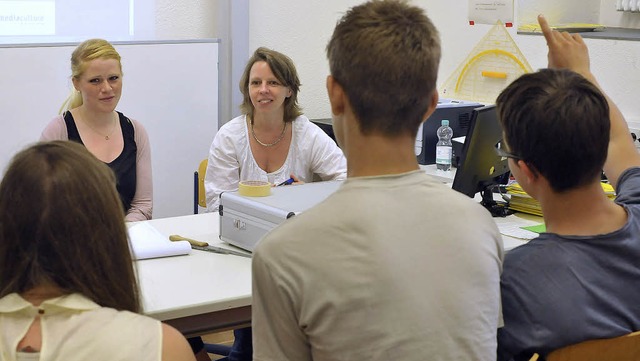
296 181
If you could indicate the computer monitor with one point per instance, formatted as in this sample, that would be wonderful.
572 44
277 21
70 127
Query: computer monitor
327 126
482 168
458 113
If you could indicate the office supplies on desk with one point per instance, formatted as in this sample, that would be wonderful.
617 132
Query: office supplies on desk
254 188
171 288
522 202
221 250
286 183
245 220
538 228
516 231
516 227
148 242
193 242
204 246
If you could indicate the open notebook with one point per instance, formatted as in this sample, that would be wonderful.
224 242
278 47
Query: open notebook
148 242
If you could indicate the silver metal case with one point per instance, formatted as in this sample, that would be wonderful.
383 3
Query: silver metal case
245 220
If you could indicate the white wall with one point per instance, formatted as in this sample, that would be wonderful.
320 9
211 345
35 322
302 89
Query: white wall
558 12
302 29
621 19
186 19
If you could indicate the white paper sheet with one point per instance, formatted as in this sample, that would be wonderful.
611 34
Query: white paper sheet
489 12
148 242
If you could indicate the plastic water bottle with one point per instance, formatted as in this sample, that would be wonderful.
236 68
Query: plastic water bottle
444 148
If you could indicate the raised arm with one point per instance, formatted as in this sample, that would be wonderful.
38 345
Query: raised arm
569 51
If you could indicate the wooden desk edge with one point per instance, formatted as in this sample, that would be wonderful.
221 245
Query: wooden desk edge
217 321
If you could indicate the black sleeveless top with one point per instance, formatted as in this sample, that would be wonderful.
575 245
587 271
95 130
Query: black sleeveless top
124 166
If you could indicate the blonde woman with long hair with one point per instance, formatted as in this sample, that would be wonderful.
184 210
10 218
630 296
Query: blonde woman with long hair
89 118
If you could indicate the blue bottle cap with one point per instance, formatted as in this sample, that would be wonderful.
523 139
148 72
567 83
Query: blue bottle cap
445 122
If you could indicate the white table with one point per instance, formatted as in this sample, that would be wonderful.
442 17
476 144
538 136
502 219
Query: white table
508 242
443 176
202 292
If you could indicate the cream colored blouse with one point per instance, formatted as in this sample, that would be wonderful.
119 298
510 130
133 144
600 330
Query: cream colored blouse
76 328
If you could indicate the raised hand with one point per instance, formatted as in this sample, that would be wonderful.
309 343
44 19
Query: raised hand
566 51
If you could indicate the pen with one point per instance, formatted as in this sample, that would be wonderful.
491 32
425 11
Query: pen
286 183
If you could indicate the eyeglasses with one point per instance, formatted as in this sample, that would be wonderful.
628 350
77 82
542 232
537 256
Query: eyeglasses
501 152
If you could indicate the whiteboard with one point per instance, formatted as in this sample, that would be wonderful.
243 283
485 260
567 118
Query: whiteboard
169 87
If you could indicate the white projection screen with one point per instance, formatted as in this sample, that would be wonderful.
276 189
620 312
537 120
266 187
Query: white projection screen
55 21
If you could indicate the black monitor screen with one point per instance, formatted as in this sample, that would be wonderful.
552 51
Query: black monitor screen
482 167
458 113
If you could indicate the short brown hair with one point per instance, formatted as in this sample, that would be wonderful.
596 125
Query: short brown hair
62 224
385 54
284 70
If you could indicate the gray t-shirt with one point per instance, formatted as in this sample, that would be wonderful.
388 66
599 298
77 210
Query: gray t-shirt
561 290
395 267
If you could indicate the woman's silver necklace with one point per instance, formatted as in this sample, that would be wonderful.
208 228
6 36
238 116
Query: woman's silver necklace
268 144
106 137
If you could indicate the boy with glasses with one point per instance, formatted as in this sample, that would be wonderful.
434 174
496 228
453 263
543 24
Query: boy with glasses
581 279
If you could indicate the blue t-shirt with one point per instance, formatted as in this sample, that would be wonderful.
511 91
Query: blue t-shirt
561 290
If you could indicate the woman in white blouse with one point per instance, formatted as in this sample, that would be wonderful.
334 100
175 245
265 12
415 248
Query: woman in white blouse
272 141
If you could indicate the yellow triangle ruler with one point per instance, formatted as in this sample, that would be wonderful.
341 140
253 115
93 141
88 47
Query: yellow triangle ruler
493 64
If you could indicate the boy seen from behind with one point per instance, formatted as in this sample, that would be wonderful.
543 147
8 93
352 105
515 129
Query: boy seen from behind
394 265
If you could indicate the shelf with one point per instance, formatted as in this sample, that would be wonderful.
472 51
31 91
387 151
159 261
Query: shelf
607 33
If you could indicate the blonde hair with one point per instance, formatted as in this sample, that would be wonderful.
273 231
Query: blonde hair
85 52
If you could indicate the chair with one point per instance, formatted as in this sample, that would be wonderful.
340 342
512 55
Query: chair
199 196
623 348
218 349
200 200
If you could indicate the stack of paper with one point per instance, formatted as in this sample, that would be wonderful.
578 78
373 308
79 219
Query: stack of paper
522 202
148 242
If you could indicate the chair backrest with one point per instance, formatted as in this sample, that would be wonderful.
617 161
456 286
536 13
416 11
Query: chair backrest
199 196
623 348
